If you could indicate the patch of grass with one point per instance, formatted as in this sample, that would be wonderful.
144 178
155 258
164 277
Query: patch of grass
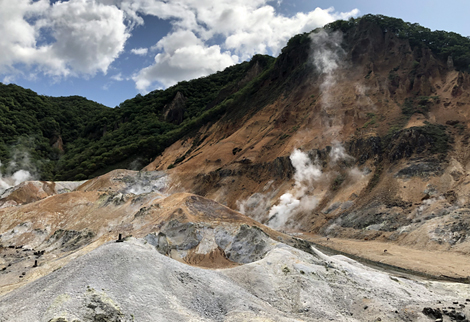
338 182
180 159
420 104
460 127
396 126
439 136
372 120
294 129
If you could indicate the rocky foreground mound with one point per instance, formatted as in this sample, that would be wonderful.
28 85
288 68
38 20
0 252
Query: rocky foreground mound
133 281
120 248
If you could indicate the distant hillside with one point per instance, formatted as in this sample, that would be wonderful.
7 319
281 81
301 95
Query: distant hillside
132 134
36 129
74 138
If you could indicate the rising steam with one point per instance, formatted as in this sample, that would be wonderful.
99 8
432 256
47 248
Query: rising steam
301 197
307 173
258 204
14 179
146 182
19 168
338 153
327 57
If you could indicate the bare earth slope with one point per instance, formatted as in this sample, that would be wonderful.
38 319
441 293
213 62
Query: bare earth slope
386 125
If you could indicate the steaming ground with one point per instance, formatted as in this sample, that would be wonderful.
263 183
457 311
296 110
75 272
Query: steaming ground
327 56
15 179
302 198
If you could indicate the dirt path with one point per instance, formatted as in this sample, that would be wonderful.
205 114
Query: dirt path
446 264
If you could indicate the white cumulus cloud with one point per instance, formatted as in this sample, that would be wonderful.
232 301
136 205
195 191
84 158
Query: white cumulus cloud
183 56
75 37
118 77
140 51
83 37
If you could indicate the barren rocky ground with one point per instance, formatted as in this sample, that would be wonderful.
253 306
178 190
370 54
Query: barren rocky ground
192 259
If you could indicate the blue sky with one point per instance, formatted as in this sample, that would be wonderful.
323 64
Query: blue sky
110 50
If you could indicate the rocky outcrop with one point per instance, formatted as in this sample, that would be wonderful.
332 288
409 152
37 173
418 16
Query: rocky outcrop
58 143
174 112
430 139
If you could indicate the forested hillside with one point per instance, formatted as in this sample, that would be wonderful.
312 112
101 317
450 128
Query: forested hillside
141 128
35 128
74 138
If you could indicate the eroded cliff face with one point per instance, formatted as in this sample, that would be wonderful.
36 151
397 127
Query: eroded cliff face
174 112
399 115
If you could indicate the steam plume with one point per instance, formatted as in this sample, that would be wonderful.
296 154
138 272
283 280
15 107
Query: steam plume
327 58
338 153
12 180
19 168
146 182
257 205
307 174
300 197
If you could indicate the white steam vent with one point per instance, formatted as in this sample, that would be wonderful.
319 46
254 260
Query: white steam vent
14 179
146 182
307 173
301 197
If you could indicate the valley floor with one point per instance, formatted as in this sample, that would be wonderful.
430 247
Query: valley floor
440 264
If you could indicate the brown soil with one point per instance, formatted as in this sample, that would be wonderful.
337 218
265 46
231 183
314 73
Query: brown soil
436 263
212 260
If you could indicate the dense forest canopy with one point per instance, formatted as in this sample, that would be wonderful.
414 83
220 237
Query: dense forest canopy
73 138
31 124
97 138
